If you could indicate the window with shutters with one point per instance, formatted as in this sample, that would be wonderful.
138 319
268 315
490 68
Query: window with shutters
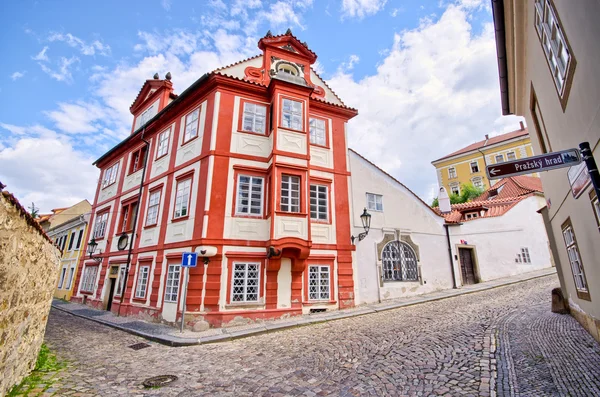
250 195
128 214
290 193
153 206
191 126
575 260
319 203
245 282
162 147
254 117
291 114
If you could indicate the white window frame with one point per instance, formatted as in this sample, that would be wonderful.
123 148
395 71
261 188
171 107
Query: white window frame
88 282
287 193
472 215
476 163
451 172
288 108
477 182
254 113
79 239
375 202
162 145
246 188
172 283
319 295
501 156
101 224
110 175
514 154
63 274
181 187
457 187
317 131
141 287
525 255
70 277
120 279
145 116
319 203
153 207
191 126
245 280
574 258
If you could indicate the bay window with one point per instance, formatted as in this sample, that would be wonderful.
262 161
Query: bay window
290 193
249 195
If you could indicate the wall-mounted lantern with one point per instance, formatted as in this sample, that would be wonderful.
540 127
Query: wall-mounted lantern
365 218
91 248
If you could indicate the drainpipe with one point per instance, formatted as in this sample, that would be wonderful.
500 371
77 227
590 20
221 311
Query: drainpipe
135 220
450 255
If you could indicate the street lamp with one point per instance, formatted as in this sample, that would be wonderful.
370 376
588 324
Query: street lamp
365 218
91 248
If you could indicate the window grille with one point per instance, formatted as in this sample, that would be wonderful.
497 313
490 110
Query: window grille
245 281
525 255
399 262
318 283
172 286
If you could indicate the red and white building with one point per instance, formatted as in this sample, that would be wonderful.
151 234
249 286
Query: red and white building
250 160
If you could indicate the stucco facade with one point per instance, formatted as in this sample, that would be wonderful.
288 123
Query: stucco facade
559 99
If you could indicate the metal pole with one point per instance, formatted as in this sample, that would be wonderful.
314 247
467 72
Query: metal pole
135 219
186 276
588 157
450 255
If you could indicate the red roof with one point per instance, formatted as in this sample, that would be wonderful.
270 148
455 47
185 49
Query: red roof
487 142
495 201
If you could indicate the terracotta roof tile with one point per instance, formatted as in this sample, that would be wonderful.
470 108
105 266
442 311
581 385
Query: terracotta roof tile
512 187
487 142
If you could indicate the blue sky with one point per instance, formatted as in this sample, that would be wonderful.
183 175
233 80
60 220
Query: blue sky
421 73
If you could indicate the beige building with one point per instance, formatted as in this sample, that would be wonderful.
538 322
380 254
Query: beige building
548 57
467 165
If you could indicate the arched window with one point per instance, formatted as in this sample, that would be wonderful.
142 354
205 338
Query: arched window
399 262
287 68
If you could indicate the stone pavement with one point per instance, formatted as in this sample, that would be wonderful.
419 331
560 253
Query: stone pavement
172 337
502 340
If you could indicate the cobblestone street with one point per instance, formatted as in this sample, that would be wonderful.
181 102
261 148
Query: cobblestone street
454 346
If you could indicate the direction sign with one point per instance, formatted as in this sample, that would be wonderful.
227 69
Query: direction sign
189 259
529 165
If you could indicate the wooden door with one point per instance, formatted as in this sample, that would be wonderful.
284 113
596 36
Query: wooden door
466 266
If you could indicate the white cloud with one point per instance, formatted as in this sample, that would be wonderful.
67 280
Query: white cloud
281 14
64 70
241 7
435 92
47 171
166 4
361 8
78 118
348 66
17 75
178 42
96 47
41 56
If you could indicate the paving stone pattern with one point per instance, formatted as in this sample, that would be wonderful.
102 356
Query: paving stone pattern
456 346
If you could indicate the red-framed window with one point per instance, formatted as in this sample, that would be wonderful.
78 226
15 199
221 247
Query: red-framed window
101 224
88 281
162 143
137 160
292 114
250 192
143 280
245 278
192 120
152 211
318 131
320 200
183 192
128 213
110 175
254 117
318 280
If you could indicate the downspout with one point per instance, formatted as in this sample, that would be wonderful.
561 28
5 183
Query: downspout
450 255
135 220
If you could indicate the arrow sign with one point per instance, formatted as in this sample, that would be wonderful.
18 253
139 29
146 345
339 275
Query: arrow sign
189 259
529 165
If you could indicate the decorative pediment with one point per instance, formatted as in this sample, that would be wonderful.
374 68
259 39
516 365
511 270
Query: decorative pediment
288 42
147 91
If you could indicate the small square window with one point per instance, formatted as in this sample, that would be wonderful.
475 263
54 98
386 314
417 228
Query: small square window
499 158
474 167
375 202
511 156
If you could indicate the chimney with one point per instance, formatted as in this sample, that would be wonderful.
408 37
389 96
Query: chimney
522 125
444 201
487 137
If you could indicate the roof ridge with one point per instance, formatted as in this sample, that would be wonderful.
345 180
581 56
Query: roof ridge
326 85
237 63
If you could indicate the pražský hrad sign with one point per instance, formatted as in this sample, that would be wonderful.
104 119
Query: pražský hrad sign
529 165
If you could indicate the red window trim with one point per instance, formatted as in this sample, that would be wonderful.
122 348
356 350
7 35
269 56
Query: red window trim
98 214
241 117
326 120
88 265
237 171
104 172
323 182
179 179
281 171
129 204
170 128
246 257
150 192
319 261
183 141
173 258
280 112
140 151
142 263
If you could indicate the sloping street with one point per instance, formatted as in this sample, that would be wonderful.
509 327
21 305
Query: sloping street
455 346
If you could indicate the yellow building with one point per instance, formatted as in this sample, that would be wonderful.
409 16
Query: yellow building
467 165
69 231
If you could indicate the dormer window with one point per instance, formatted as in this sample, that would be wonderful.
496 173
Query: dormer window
146 115
287 68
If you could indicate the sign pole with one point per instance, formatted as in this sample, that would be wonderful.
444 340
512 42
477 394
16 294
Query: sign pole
186 277
588 157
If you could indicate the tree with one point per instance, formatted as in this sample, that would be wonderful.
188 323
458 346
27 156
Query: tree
467 193
34 211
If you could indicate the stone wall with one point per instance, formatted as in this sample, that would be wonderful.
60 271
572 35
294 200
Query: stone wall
28 270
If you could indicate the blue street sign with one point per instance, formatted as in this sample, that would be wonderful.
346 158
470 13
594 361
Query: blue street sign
189 259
